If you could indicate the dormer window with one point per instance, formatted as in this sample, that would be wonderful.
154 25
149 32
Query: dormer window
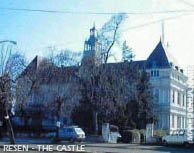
177 68
154 73
171 64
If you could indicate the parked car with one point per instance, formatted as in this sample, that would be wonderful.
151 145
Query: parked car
130 136
154 140
72 133
178 137
126 136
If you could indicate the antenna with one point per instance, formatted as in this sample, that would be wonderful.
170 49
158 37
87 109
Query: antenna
167 44
162 31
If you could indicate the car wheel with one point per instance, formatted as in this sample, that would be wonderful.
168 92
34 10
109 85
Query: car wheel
56 140
165 143
186 144
72 140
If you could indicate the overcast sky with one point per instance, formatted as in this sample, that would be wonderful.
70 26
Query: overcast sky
35 31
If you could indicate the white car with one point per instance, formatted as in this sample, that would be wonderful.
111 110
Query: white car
178 137
72 133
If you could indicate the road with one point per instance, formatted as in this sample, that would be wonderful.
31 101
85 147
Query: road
126 148
134 148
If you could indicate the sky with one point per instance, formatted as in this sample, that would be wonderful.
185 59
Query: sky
35 32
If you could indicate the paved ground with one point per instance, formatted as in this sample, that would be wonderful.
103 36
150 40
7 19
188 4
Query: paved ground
133 148
126 148
101 147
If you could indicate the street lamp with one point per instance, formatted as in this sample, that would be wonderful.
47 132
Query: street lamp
10 41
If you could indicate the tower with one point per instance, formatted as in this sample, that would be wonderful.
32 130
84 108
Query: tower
92 49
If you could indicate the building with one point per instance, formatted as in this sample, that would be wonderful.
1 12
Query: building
169 83
41 88
167 78
170 89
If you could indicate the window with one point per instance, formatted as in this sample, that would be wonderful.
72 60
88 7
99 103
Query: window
178 122
173 75
156 95
165 96
164 121
183 122
179 98
183 100
175 132
173 96
172 121
69 130
154 73
181 132
157 73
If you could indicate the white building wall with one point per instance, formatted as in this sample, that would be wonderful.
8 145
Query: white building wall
167 85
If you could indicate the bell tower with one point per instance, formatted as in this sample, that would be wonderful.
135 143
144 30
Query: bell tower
92 49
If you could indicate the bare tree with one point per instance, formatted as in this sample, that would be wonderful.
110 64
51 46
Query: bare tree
29 105
109 34
60 95
11 63
95 83
103 90
66 92
48 87
5 101
64 57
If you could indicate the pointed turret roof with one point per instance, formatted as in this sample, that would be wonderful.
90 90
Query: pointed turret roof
93 36
158 58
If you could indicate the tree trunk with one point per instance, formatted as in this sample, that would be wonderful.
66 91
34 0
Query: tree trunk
5 97
58 117
95 116
58 127
9 126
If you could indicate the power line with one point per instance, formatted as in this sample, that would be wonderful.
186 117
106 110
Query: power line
96 13
153 22
187 3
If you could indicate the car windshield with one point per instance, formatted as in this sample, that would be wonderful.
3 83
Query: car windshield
78 130
181 132
174 133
